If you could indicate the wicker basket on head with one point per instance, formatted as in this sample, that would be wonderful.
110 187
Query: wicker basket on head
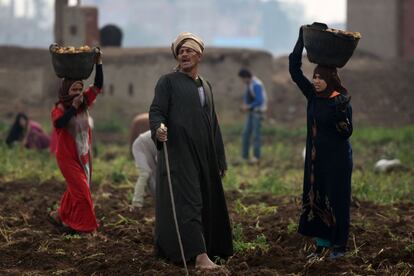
76 65
329 47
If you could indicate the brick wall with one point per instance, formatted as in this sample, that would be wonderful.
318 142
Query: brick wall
379 23
130 77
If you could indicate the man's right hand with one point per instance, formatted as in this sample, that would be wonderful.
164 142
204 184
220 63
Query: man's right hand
162 133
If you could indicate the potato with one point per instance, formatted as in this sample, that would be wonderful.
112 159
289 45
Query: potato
71 49
353 34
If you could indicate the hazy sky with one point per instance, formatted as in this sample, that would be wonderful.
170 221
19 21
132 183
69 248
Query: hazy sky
328 11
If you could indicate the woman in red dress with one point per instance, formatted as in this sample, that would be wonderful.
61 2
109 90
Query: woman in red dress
73 153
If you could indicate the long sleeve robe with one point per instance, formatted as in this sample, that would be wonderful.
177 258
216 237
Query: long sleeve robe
73 156
328 162
196 155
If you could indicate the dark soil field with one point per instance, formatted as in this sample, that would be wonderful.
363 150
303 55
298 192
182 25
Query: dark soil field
381 238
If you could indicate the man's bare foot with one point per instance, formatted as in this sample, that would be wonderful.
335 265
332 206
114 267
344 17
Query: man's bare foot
204 262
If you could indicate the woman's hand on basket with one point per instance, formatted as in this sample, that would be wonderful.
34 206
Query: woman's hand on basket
98 58
301 33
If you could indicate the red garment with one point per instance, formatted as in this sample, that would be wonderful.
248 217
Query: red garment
53 141
36 137
73 158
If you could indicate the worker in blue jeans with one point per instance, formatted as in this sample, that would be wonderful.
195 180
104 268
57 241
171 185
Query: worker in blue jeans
254 104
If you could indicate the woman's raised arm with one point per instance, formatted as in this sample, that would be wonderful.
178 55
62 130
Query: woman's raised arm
295 64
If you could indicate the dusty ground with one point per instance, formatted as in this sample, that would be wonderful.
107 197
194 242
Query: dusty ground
381 240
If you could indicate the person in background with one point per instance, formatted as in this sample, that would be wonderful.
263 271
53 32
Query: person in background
328 162
73 153
145 155
140 124
28 133
254 104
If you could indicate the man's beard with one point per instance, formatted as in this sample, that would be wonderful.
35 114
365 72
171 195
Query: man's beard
188 68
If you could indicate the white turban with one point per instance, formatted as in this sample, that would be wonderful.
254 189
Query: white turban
188 40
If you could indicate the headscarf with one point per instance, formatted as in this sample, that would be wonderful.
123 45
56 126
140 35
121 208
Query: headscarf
189 40
64 96
331 77
16 131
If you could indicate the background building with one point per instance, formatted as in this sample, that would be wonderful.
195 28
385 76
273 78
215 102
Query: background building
387 26
76 25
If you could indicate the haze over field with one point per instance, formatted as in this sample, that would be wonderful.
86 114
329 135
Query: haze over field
268 25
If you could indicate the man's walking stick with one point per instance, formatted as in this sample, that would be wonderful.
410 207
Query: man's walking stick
167 163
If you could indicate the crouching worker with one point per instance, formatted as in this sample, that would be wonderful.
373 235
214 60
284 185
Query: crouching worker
73 153
27 133
139 125
145 153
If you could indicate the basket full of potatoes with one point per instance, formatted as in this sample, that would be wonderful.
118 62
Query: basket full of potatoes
71 62
328 46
